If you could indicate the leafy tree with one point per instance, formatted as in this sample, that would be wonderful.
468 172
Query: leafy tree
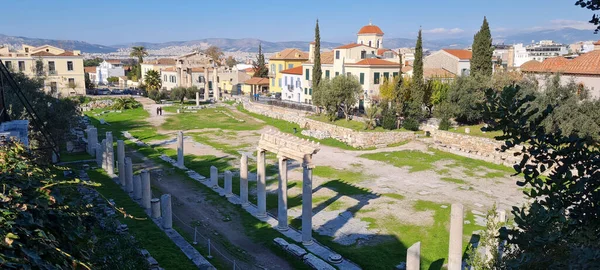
410 124
190 92
426 96
88 83
180 93
560 229
439 92
113 79
92 62
152 80
463 97
481 63
444 123
215 53
399 80
387 90
388 118
594 6
260 66
345 90
317 72
370 122
138 52
157 95
230 61
125 103
418 67
134 73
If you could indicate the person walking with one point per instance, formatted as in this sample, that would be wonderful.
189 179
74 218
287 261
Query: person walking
160 110
157 110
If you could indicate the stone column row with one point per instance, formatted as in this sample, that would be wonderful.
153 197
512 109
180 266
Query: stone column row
180 149
110 155
261 181
307 168
121 161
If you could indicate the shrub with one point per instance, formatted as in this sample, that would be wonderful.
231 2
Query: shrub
388 118
444 124
125 104
411 124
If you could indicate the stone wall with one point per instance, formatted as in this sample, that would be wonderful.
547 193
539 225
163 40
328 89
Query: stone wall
358 139
474 147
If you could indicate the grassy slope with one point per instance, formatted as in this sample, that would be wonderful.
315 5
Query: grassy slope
475 130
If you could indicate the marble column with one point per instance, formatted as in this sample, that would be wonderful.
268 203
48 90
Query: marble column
307 168
128 175
216 91
228 183
98 153
110 158
455 249
206 90
88 132
282 215
137 187
146 191
244 180
413 257
214 177
92 133
261 184
180 149
166 211
155 205
198 98
121 160
103 154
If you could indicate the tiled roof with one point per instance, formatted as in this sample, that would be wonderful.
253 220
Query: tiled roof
376 62
290 54
597 42
461 54
349 46
370 29
327 57
406 69
67 53
295 70
162 61
257 81
89 69
198 69
250 69
43 53
586 64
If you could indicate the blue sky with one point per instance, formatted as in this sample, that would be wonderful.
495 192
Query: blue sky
119 21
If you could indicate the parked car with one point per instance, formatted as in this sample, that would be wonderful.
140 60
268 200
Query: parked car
116 92
103 91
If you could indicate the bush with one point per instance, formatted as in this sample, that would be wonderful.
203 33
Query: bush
411 124
157 95
388 118
444 124
125 104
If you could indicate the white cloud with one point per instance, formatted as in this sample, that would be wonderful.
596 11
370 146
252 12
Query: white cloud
561 23
443 31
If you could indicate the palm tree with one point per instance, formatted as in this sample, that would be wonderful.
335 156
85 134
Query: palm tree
139 52
152 80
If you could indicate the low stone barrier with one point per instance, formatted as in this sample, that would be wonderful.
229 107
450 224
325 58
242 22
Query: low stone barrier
321 130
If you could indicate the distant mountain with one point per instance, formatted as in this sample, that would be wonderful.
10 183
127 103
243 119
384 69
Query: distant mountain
565 36
16 42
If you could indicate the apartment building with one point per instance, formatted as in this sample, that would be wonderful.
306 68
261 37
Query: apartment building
286 59
156 65
61 70
109 68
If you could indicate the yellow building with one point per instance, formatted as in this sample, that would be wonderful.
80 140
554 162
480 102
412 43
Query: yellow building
61 70
286 59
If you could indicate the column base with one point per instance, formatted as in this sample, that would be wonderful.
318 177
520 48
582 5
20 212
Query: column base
229 195
261 216
307 243
244 205
282 228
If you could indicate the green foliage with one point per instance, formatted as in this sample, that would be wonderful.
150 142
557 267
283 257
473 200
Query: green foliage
387 89
410 124
444 124
92 62
388 118
481 63
488 242
341 92
418 63
125 104
152 80
230 61
561 227
260 66
157 95
88 83
139 52
113 79
370 122
464 96
317 73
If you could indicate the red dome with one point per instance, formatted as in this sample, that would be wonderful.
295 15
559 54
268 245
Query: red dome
370 29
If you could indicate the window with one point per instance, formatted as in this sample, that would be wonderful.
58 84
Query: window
395 74
51 67
362 78
386 75
363 54
376 78
273 70
310 91
21 66
280 67
273 82
297 82
285 80
8 65
378 44
306 91
290 66
327 74
337 73
348 74
305 100
369 43
71 82
53 87
70 65
165 78
337 54
279 82
307 74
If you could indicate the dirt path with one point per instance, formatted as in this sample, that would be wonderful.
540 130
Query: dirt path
191 206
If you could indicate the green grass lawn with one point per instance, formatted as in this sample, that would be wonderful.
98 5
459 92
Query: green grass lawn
352 124
475 130
209 118
421 161
132 120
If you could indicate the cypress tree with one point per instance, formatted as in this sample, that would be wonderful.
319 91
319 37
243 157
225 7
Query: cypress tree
260 69
417 94
418 63
400 79
481 62
317 72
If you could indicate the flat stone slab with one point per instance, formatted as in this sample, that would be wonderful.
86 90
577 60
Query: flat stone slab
296 250
281 242
316 263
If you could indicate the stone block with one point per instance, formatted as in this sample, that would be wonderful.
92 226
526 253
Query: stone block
296 250
281 242
316 263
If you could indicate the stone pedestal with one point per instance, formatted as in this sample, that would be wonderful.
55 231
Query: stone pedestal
137 187
244 180
180 149
307 201
128 175
214 177
282 216
146 191
99 154
228 184
110 157
261 184
198 98
455 249
165 211
155 205
121 161
413 257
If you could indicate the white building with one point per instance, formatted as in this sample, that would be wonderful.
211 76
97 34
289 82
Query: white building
539 52
108 68
292 84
